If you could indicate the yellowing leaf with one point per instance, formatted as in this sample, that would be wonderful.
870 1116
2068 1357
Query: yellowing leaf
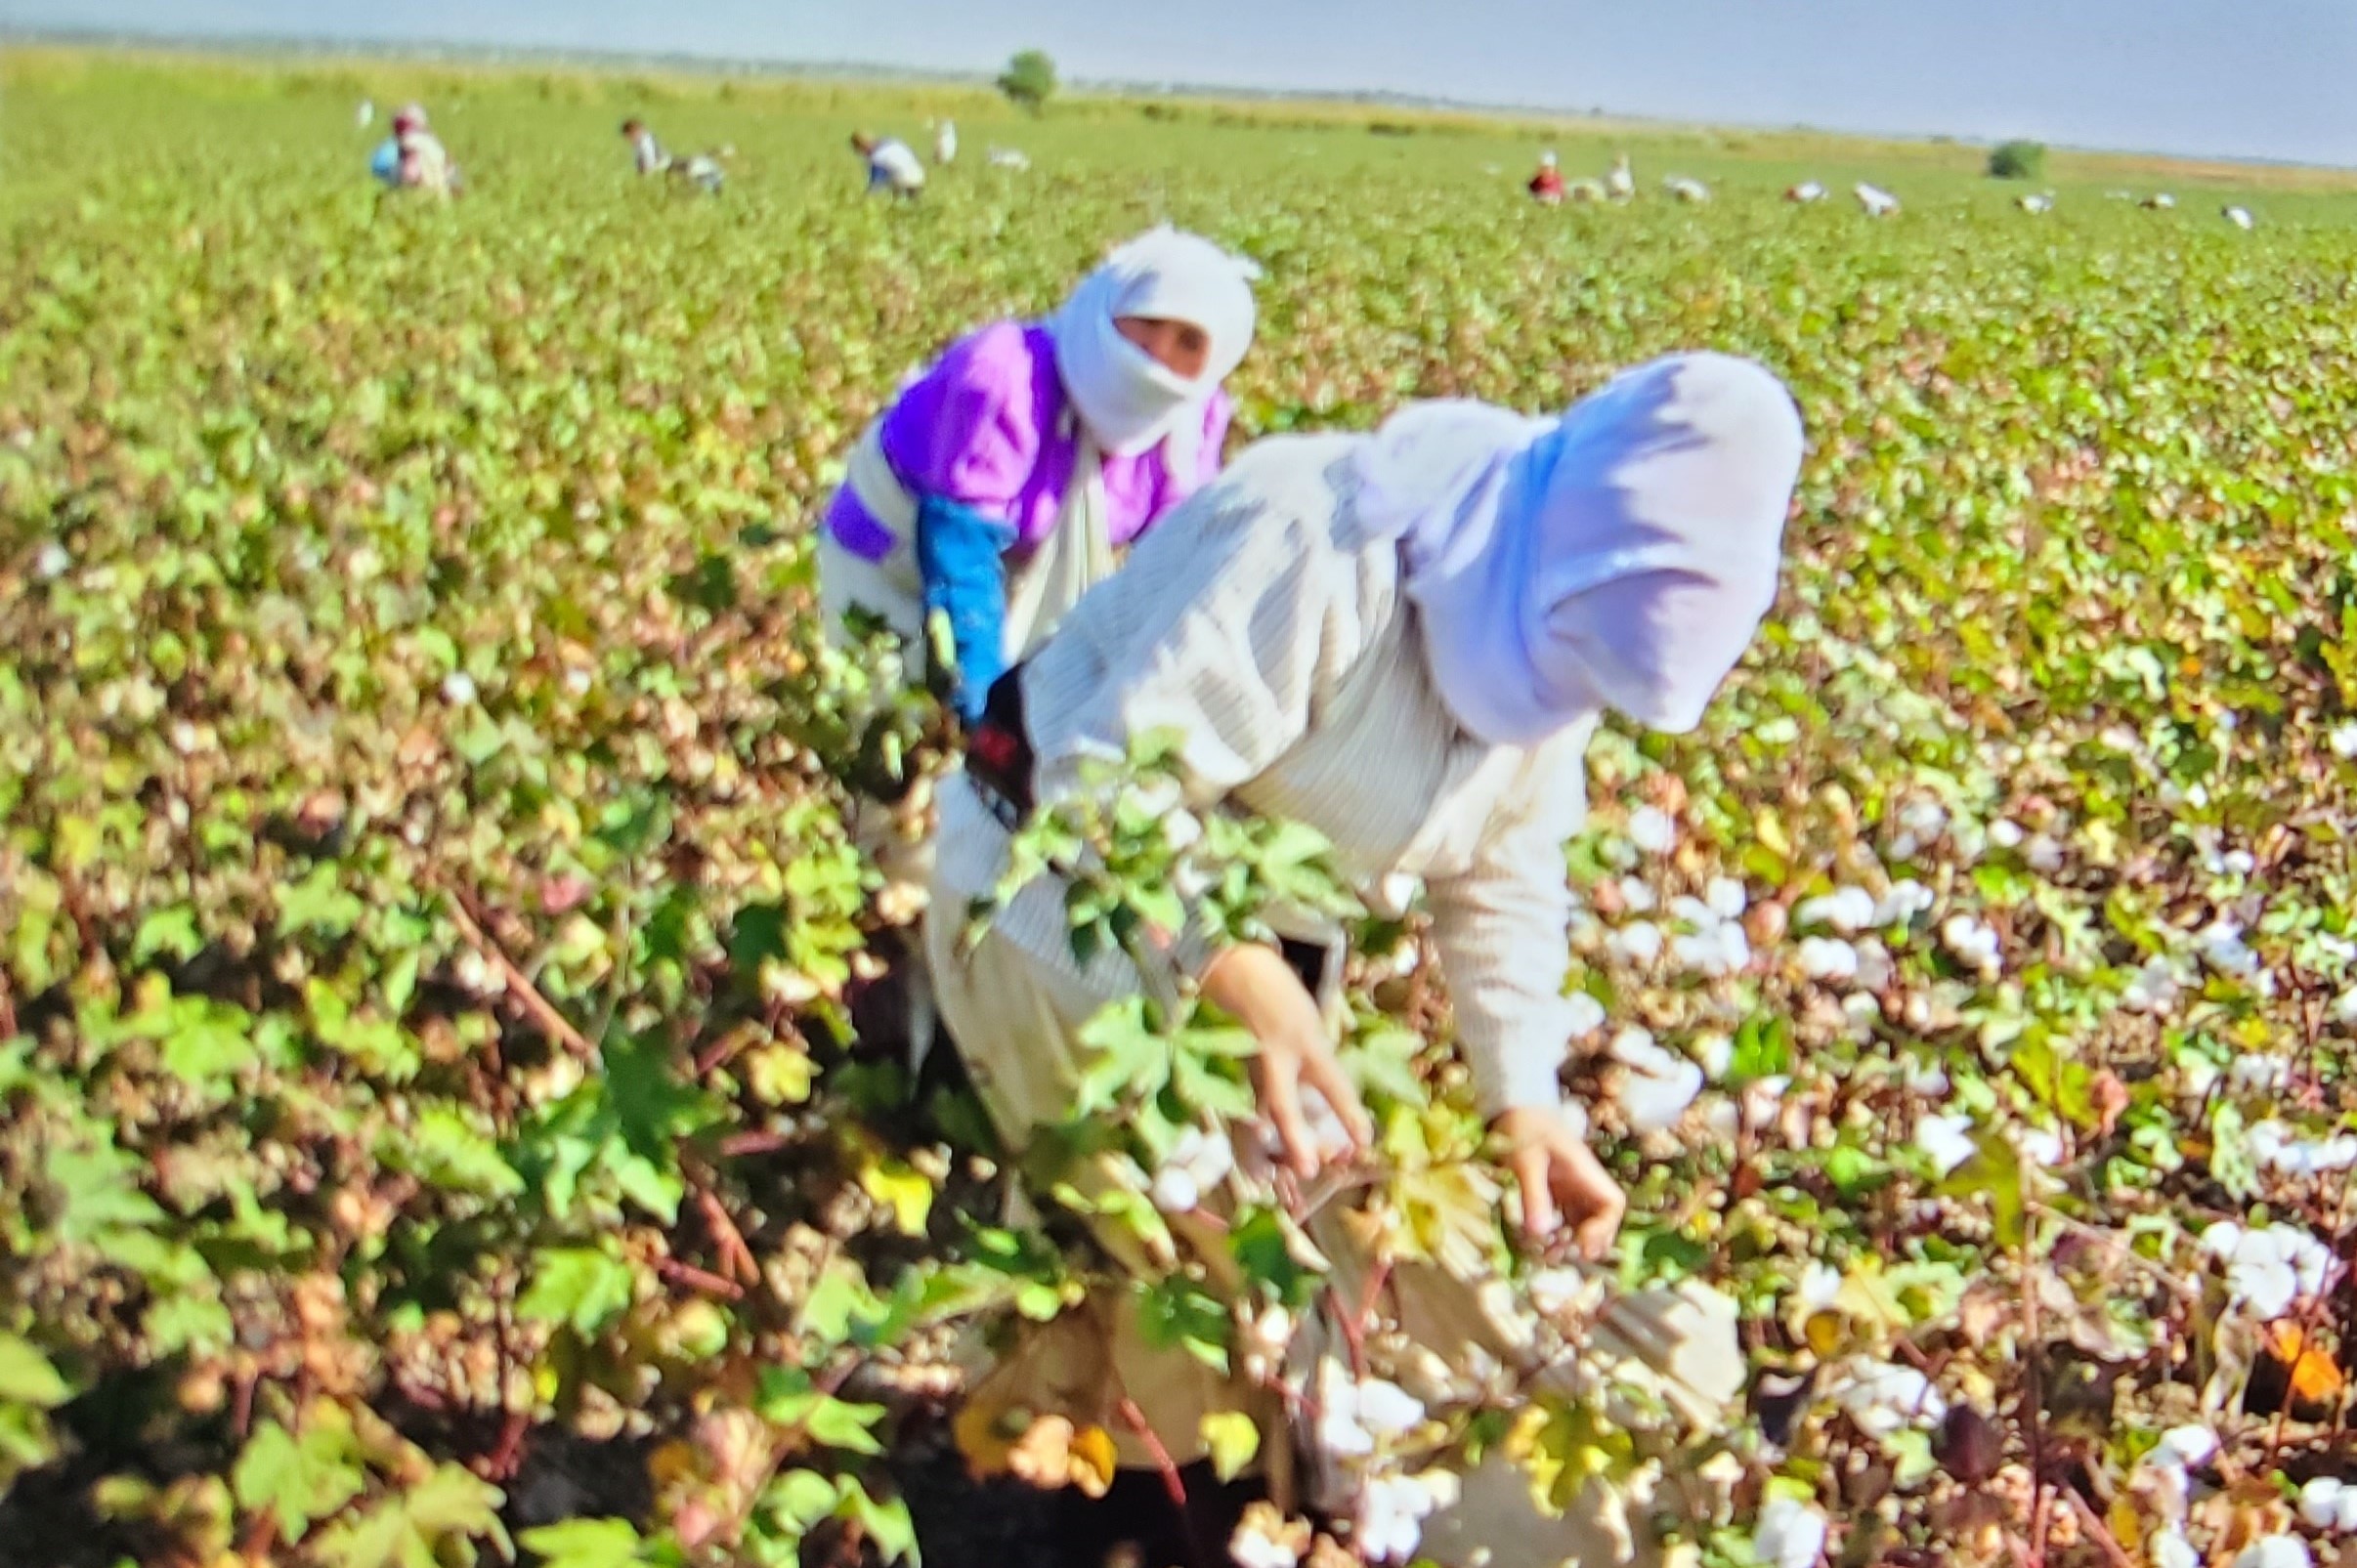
908 1193
1232 1439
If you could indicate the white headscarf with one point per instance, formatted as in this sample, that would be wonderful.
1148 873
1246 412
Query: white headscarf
1128 400
1620 557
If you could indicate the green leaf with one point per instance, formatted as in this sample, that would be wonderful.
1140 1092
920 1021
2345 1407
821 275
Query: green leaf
587 1544
450 1508
318 903
26 1375
170 931
299 1481
907 1193
577 1285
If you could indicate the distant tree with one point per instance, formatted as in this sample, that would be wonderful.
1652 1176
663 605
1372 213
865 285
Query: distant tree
2018 160
1029 79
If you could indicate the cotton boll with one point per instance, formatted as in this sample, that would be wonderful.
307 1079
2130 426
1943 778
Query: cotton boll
1846 909
1637 895
1639 943
1726 898
1885 1398
52 562
2276 1552
2320 1502
2005 833
2040 1148
2043 855
458 687
1715 1054
1250 1548
2170 1549
1876 971
2343 740
1651 1103
1827 959
1791 1533
1653 829
1583 1015
2190 1447
1904 900
1388 1410
1947 1139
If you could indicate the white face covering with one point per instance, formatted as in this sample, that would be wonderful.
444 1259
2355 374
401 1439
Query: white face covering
1128 400
1620 557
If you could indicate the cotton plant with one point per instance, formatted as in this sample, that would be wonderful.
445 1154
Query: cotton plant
2269 1268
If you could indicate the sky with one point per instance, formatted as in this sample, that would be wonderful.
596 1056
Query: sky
2225 78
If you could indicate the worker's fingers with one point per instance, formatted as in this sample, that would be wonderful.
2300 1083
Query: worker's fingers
1326 1076
1532 1171
1280 1101
1597 1228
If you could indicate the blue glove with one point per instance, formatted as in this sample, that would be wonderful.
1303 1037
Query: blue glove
960 554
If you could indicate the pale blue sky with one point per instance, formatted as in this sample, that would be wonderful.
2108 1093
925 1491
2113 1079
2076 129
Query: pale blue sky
2253 78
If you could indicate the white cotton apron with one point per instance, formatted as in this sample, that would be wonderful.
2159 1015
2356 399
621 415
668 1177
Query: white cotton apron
1041 590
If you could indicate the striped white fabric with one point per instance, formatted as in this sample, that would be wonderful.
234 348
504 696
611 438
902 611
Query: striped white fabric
1287 657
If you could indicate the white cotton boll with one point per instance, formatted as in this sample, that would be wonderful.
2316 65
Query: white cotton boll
1726 898
1583 1015
1388 1410
1925 819
1639 943
1885 1398
1392 1511
1947 1139
1653 829
1340 1435
1827 959
1876 971
1654 1102
1845 909
2276 1552
1181 829
2005 833
458 687
1819 1285
1928 1079
1791 1534
2222 1240
2344 1007
1635 1047
2320 1502
2268 1289
1637 895
1250 1549
2170 1549
2041 1148
2239 862
2224 950
52 562
2189 1447
2043 855
1904 900
1715 1054
1692 911
2344 740
1555 1290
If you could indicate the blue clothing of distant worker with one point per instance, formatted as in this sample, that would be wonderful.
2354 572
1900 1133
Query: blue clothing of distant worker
385 163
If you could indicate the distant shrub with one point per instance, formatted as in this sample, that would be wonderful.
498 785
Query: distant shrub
2018 160
1029 79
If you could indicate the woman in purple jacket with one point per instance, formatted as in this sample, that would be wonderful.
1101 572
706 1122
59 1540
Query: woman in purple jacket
1008 476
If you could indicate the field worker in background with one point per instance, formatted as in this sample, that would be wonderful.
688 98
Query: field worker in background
1548 184
646 154
1007 477
945 143
414 159
891 165
1404 641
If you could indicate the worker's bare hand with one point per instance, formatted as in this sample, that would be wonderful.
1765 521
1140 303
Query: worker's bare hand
1255 986
1565 1189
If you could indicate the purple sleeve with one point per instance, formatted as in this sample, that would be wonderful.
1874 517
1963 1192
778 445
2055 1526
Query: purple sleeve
968 428
1217 415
